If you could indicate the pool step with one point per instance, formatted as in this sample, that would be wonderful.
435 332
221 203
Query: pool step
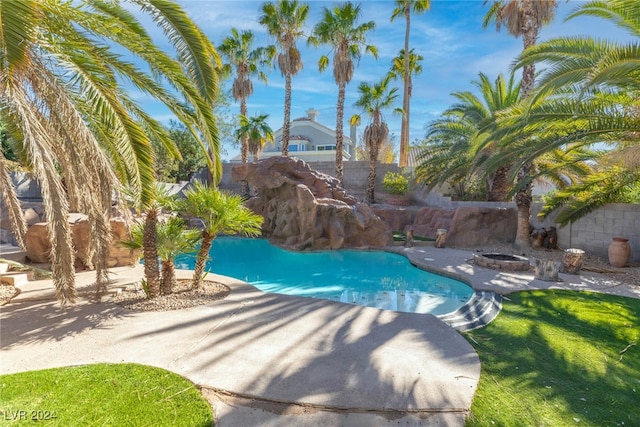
481 309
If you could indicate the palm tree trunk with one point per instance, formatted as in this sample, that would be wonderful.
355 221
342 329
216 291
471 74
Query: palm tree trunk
404 130
101 226
201 259
523 199
150 252
243 144
371 180
168 277
499 185
339 133
244 149
524 195
287 114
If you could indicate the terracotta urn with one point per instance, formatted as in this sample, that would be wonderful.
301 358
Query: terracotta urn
619 252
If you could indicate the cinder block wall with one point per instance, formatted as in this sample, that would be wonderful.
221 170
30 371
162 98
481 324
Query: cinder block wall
593 232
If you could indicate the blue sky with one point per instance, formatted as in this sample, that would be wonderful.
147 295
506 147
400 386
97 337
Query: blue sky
449 36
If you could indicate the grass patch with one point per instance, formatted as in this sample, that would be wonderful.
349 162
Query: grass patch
559 358
103 394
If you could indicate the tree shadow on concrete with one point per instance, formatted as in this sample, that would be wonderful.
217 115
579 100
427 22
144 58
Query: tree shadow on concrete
292 349
40 321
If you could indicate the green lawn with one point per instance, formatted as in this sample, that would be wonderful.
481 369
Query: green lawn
103 395
559 358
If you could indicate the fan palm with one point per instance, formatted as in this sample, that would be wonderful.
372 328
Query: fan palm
339 28
522 18
80 133
256 131
404 8
284 20
374 99
219 212
398 63
240 56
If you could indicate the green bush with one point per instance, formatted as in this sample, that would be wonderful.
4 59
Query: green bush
395 183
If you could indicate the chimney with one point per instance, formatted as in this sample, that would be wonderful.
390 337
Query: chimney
312 113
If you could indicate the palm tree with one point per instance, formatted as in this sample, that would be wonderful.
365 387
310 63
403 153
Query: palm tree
219 212
247 62
256 131
82 135
338 28
404 8
173 238
415 65
373 100
587 95
459 143
284 21
522 18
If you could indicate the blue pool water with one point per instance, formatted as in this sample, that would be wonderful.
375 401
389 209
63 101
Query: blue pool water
368 278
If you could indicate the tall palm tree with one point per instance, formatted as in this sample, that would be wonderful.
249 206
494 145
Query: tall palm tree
256 131
284 20
82 135
404 8
459 143
339 28
219 212
522 18
246 61
374 99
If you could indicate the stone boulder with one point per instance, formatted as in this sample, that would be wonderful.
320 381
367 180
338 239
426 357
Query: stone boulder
467 226
38 245
6 227
398 218
31 217
429 220
477 226
306 209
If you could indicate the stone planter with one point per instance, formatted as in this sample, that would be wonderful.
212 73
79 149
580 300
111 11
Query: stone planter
572 261
619 252
399 201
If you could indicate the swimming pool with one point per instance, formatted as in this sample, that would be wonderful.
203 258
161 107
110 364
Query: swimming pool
368 278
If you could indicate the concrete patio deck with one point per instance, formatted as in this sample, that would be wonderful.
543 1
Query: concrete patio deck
275 360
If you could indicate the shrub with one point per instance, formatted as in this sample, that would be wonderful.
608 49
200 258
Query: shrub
395 183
